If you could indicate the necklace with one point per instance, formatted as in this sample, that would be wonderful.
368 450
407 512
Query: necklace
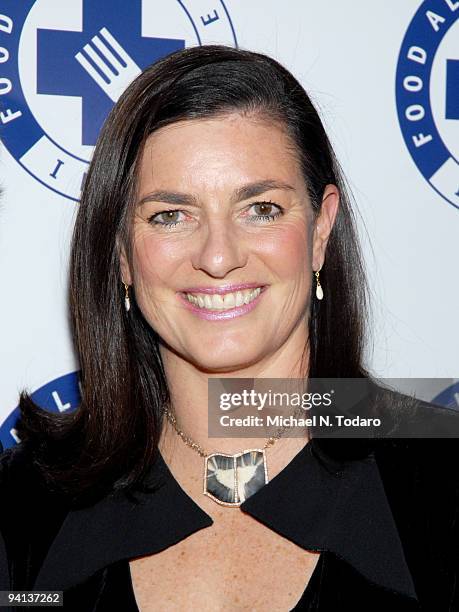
231 479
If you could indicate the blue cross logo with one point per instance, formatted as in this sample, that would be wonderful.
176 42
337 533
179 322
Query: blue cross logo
431 139
92 66
97 63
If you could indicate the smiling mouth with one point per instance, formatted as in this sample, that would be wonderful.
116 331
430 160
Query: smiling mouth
218 302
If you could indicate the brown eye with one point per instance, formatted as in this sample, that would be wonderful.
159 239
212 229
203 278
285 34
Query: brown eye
265 211
264 208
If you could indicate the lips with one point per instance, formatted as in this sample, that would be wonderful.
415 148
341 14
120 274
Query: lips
219 306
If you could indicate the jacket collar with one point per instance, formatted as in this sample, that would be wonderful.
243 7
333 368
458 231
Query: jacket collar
340 507
337 506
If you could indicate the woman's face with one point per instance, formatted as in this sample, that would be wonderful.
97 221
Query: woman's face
222 205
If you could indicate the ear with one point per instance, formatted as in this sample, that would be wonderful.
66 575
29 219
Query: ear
126 276
324 224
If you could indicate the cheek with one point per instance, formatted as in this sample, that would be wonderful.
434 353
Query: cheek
155 260
288 251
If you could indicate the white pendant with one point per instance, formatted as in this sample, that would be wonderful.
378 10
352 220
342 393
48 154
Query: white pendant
319 292
231 479
127 304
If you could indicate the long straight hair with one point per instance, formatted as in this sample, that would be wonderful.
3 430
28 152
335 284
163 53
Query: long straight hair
110 442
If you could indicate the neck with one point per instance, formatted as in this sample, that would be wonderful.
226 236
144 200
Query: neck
188 386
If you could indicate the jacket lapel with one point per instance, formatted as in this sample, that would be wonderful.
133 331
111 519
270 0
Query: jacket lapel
116 528
341 509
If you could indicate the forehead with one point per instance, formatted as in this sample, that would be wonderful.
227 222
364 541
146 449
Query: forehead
217 153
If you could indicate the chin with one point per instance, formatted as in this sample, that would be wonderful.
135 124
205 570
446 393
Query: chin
223 363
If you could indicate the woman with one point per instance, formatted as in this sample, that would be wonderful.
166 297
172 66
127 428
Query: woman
215 239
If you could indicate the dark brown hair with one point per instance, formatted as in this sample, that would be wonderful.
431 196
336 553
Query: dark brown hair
110 441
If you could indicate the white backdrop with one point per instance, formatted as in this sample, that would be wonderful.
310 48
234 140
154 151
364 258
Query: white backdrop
385 77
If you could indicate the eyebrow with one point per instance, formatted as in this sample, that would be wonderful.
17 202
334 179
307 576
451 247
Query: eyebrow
242 193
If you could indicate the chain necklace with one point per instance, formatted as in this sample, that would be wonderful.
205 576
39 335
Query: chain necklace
231 479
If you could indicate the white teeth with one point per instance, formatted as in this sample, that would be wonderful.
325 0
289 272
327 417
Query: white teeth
217 301
230 300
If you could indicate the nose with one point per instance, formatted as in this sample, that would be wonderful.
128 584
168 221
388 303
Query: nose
219 248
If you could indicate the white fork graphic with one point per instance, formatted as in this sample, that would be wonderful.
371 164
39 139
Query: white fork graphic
117 72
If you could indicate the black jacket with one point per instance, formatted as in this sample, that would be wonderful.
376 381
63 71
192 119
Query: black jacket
386 521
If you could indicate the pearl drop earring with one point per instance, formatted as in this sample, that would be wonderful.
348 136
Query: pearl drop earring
319 290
